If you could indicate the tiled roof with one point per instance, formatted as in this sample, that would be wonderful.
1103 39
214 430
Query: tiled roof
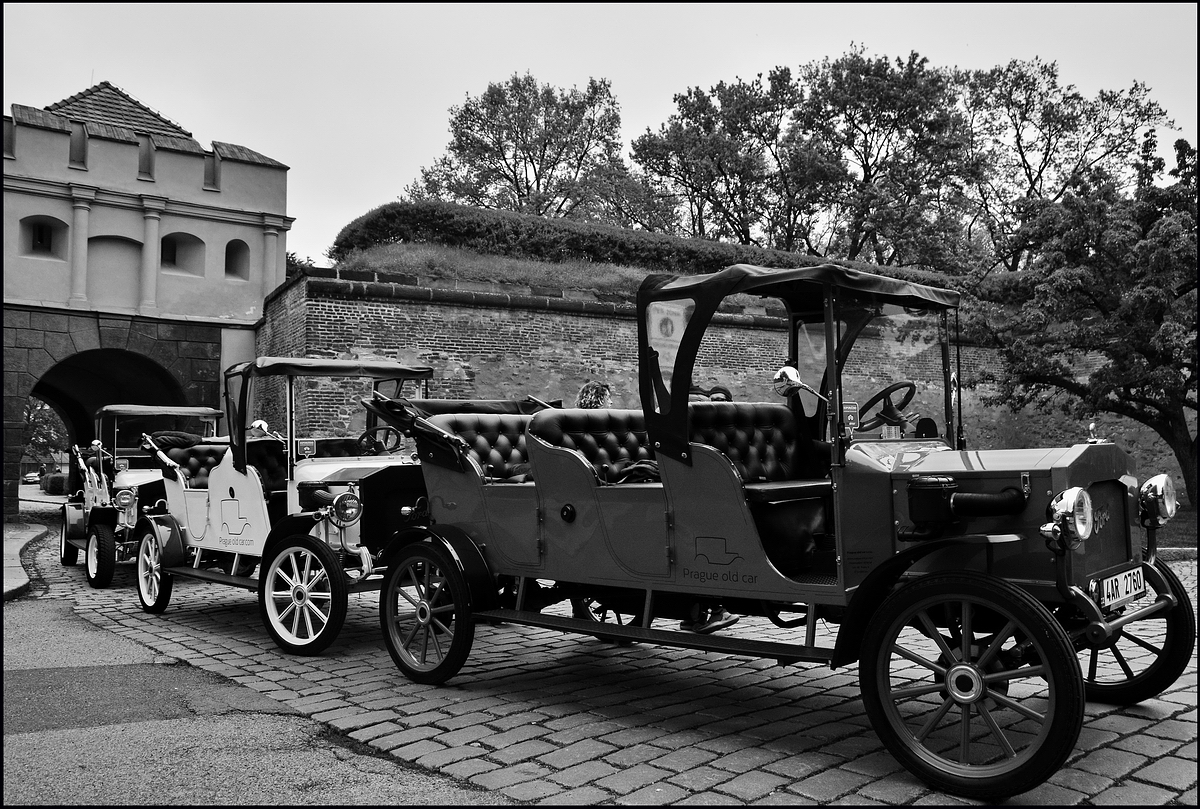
231 151
175 144
106 132
31 116
108 104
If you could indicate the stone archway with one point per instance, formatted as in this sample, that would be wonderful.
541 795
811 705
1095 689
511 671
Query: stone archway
79 361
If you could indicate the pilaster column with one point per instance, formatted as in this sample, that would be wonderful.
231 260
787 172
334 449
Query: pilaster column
270 264
81 202
152 208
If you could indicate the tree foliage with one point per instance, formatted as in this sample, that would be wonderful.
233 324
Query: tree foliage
1103 318
527 147
42 431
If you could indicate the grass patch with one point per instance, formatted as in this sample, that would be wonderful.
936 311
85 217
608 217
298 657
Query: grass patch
438 261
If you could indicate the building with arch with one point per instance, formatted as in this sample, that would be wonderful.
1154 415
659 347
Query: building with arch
136 261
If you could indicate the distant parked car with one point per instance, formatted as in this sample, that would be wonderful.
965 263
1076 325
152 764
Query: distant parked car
31 477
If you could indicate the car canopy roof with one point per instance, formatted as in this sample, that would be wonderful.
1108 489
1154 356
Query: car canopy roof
799 286
306 366
157 410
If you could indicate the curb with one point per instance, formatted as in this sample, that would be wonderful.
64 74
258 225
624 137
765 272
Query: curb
16 580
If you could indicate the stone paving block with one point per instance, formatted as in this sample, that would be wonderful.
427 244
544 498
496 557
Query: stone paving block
1134 794
895 789
1172 772
752 785
1121 724
514 736
407 736
583 773
531 790
467 735
439 759
684 758
653 795
802 765
416 750
829 785
522 751
469 767
1188 751
635 754
1146 745
625 781
1047 794
1110 763
366 734
577 753
583 796
746 759
1174 729
1087 783
710 799
507 776
700 779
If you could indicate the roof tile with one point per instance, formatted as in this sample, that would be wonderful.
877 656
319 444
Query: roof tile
108 104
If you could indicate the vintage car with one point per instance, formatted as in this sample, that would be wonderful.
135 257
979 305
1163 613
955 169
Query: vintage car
984 594
309 506
115 478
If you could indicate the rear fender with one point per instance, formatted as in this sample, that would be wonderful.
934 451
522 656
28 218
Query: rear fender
465 553
170 538
73 520
289 527
878 584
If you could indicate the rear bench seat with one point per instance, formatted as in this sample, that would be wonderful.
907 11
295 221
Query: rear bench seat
495 440
786 488
610 440
195 455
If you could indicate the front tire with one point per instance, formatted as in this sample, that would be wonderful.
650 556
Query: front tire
302 595
100 556
972 685
1144 658
154 584
425 614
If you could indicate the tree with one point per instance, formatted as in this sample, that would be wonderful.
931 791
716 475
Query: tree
1103 318
43 432
529 148
1036 136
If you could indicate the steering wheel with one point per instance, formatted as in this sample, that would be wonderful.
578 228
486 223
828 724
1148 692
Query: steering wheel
379 441
890 414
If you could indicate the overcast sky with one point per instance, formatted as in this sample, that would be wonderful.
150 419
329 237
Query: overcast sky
355 97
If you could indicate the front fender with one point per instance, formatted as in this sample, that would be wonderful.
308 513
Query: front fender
289 527
170 537
102 515
465 553
878 584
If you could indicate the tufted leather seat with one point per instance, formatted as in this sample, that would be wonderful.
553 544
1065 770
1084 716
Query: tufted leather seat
197 461
495 440
609 439
759 437
267 455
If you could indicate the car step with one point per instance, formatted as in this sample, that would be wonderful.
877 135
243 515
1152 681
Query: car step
784 653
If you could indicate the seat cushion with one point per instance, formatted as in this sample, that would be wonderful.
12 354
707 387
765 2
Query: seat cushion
758 437
609 439
495 440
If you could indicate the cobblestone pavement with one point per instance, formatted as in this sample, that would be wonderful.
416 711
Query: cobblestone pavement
545 717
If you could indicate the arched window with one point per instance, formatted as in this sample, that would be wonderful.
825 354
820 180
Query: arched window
182 252
237 261
44 237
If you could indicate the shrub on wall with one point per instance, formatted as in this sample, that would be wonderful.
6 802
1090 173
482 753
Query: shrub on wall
555 240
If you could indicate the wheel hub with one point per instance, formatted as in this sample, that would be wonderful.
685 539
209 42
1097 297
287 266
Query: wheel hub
299 595
424 614
964 683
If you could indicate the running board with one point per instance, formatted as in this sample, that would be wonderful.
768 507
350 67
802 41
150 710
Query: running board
211 575
783 653
246 583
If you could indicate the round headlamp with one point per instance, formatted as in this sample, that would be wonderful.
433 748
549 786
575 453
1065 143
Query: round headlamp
346 509
124 498
1157 498
1071 512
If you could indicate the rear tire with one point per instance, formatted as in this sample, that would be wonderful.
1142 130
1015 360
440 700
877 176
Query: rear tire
100 557
425 614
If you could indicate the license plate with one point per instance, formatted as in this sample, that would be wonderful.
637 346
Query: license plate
1116 590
